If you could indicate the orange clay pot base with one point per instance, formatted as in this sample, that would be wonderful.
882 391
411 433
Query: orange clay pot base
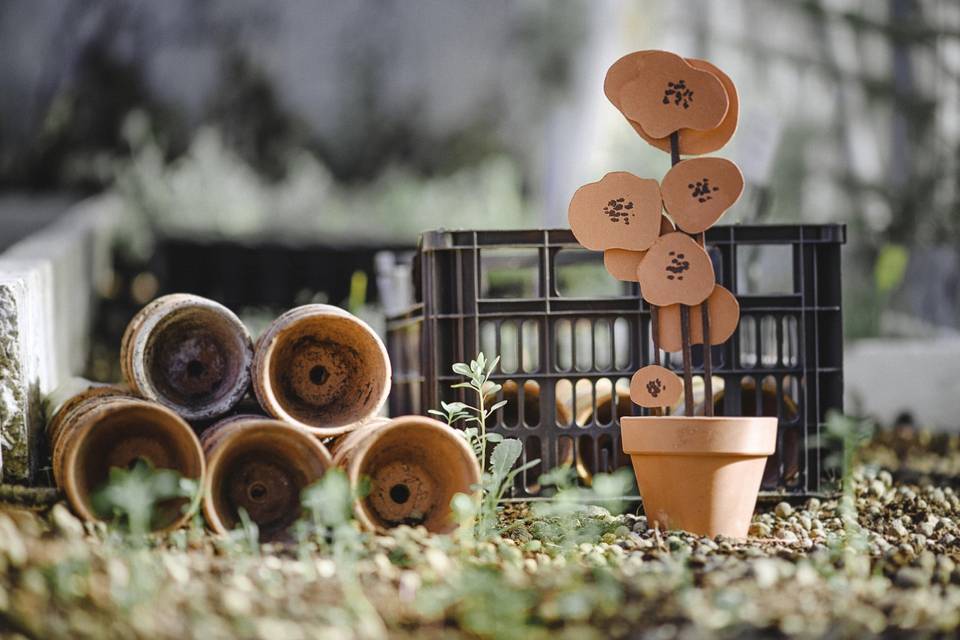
722 309
620 211
698 191
655 386
694 142
668 94
622 263
676 270
699 474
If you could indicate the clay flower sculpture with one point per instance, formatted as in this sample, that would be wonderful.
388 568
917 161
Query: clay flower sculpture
692 141
666 94
676 270
622 263
621 211
697 192
695 472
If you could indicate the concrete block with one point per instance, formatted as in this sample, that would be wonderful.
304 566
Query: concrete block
48 284
885 377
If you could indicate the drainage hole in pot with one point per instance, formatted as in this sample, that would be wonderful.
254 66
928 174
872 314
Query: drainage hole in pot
257 491
318 375
399 493
195 369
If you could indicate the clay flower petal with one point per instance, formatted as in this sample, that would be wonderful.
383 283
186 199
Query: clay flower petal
698 191
622 263
622 72
724 313
621 211
693 142
676 270
655 386
669 94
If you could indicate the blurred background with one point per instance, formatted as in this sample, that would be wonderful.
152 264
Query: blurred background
241 138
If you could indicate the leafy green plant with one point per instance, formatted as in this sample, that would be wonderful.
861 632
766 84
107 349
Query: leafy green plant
478 374
499 475
132 498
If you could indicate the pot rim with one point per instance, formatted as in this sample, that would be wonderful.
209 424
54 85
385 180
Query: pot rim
140 332
357 458
82 505
719 436
237 430
265 349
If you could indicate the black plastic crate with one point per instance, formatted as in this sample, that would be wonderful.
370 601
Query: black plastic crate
570 337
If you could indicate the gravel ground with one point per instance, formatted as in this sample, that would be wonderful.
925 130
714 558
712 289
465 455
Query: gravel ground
882 560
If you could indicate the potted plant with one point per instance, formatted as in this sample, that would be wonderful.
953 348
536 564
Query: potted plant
700 473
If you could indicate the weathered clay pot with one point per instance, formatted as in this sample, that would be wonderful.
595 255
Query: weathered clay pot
531 405
699 474
262 465
104 427
188 353
415 466
322 369
604 416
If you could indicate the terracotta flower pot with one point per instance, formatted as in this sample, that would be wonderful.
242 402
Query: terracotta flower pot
699 474
322 369
415 466
188 353
262 465
102 428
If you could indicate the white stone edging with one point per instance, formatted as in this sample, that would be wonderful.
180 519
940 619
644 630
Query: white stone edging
48 284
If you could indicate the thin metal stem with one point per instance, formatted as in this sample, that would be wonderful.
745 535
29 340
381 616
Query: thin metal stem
684 311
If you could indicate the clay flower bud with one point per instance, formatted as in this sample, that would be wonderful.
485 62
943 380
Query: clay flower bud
723 311
621 211
620 73
693 142
669 94
676 270
697 192
655 386
622 263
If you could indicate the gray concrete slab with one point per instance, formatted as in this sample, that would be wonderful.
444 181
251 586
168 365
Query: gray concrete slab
47 287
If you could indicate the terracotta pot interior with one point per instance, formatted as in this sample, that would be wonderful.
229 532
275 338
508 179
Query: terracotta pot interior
414 472
328 371
263 470
196 357
585 453
126 435
510 413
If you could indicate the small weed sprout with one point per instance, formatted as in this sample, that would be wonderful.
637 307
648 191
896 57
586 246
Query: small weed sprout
246 535
327 524
131 498
853 433
572 516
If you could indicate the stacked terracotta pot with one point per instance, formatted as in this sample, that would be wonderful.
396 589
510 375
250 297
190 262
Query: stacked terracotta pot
318 377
